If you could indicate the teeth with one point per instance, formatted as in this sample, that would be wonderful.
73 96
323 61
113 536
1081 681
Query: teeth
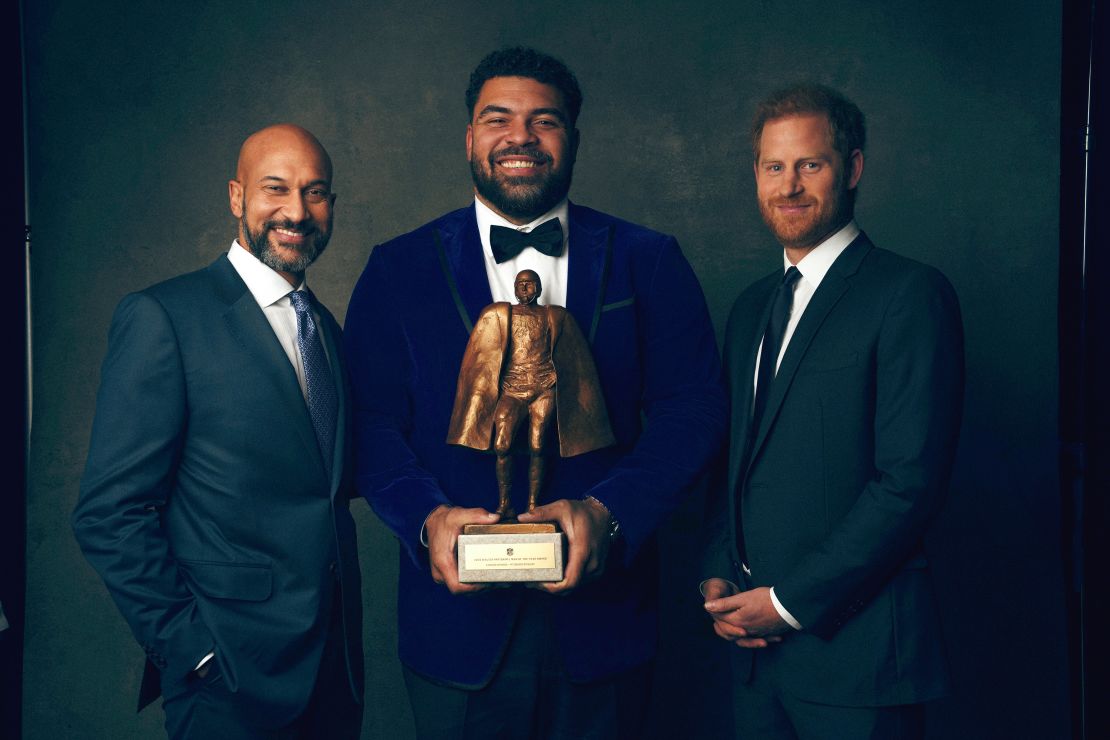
287 232
517 164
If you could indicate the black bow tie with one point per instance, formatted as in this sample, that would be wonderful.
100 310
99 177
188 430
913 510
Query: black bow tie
508 243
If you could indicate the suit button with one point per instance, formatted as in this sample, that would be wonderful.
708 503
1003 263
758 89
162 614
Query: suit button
332 566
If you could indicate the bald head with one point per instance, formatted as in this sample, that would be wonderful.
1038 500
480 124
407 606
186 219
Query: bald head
282 197
282 137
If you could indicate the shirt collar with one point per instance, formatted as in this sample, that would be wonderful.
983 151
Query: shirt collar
816 264
487 217
264 283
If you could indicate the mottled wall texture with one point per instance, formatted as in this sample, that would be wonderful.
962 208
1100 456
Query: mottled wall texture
136 112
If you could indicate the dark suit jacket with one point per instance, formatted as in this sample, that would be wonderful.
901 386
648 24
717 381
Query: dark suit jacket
641 308
844 474
205 505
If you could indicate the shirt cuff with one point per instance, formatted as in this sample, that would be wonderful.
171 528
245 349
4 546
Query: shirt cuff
783 613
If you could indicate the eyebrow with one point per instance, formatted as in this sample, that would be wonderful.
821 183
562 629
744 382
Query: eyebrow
275 178
534 112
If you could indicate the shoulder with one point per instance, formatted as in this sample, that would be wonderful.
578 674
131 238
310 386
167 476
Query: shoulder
500 308
898 274
755 295
446 226
186 293
623 231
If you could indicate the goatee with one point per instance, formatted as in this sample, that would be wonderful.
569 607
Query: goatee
523 198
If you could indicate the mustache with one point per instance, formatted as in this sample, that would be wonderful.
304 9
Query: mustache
797 201
520 151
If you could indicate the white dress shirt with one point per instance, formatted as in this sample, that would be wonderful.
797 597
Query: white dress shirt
813 267
502 277
271 291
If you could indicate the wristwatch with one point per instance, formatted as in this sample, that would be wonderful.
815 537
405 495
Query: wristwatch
614 525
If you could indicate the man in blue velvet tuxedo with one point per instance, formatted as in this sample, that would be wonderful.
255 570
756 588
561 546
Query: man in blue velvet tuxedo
214 502
846 376
567 659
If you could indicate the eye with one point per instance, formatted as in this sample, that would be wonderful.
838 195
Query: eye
275 189
546 123
811 166
317 195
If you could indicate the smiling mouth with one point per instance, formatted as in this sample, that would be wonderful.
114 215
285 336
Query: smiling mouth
290 237
519 164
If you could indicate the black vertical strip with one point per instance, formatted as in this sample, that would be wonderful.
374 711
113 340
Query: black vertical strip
600 302
1084 326
451 284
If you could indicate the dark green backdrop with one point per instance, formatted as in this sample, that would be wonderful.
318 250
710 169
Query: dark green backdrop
135 117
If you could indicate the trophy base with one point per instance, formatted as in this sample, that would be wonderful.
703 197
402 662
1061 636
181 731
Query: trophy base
510 553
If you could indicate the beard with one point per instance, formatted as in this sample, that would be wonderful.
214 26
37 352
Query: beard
294 259
809 230
523 198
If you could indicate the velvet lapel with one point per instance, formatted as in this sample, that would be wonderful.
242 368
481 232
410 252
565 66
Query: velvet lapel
834 285
245 320
462 246
587 251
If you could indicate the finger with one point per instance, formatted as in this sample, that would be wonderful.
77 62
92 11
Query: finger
729 631
459 517
549 509
751 642
726 604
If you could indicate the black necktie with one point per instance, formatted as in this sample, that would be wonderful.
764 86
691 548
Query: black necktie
772 341
323 401
508 243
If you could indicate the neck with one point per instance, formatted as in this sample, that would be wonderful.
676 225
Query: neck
517 220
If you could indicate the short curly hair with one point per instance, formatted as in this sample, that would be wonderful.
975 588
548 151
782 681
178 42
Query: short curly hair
522 61
849 131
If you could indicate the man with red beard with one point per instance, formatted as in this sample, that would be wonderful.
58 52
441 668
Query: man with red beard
566 659
846 379
214 502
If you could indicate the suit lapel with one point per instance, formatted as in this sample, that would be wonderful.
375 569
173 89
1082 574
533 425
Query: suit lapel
829 293
245 320
332 340
588 249
741 372
462 248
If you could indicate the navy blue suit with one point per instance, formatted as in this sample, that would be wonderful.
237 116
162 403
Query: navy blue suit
205 504
642 310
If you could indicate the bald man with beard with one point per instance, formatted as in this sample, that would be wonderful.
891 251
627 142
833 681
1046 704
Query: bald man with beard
214 502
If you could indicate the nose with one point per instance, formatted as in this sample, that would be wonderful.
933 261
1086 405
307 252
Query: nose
790 184
520 133
295 208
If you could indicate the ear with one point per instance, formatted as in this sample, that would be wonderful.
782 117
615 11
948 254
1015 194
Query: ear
855 168
469 140
235 197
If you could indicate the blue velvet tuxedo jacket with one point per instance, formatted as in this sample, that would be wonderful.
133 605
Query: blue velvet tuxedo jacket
205 504
643 312
829 498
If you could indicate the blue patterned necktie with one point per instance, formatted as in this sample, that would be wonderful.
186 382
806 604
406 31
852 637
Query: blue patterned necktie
323 401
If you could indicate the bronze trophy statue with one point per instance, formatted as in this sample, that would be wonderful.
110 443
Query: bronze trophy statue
526 361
